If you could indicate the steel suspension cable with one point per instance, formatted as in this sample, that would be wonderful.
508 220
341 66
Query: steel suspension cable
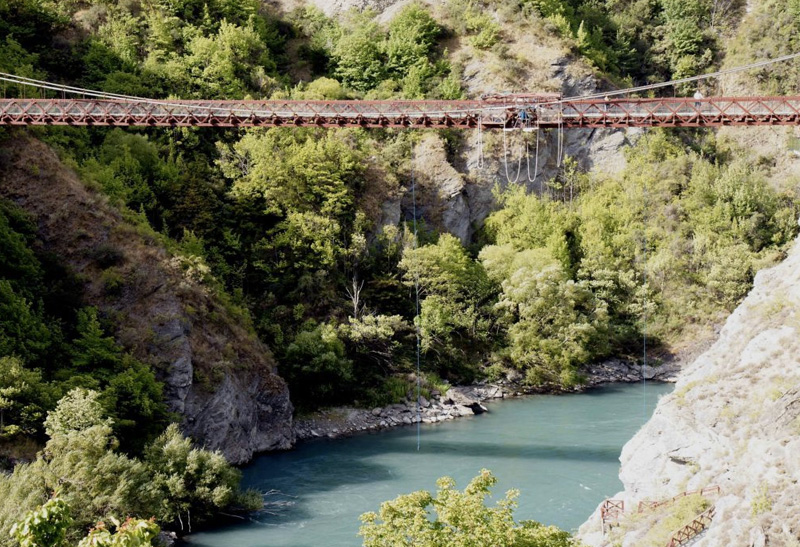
679 81
43 84
126 98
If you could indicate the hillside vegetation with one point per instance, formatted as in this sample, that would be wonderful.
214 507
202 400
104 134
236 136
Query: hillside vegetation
290 221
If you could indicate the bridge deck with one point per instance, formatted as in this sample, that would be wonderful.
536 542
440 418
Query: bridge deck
665 112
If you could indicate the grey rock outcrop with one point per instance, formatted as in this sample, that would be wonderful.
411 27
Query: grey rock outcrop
458 402
732 421
216 373
441 188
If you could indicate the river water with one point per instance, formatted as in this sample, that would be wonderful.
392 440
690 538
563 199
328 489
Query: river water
561 451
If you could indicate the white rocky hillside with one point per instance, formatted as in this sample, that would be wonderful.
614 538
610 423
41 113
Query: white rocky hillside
733 421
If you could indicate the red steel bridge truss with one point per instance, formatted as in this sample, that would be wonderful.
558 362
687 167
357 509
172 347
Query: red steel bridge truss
522 112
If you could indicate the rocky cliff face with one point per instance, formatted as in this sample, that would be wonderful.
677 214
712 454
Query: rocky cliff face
217 375
732 421
457 188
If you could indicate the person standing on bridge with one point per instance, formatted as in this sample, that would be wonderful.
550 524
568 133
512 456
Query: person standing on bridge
697 97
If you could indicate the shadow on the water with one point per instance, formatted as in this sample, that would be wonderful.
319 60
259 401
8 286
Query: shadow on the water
538 452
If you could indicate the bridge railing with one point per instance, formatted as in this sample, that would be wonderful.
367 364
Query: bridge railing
650 505
612 511
673 111
688 532
666 112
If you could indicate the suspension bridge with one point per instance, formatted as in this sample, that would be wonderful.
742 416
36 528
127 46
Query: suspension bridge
526 112
50 103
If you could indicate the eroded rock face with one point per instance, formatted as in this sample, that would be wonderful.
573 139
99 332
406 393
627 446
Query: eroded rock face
732 421
441 189
216 373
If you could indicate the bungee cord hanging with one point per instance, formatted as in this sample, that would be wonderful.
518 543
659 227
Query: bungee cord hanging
505 158
480 143
645 300
560 138
536 161
416 294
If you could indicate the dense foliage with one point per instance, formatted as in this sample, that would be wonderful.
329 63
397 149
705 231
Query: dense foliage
644 40
50 344
291 222
772 30
177 484
454 518
47 526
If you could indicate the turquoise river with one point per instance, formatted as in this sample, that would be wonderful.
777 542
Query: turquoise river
561 451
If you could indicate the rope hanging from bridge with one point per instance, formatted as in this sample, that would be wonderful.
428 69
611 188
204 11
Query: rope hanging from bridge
536 162
560 138
480 143
416 293
505 160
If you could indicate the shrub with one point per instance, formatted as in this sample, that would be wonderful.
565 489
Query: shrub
316 363
459 518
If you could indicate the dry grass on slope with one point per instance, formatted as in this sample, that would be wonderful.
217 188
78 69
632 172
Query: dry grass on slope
216 372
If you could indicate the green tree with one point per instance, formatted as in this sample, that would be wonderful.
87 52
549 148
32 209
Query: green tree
301 188
131 533
188 484
45 527
175 481
357 57
456 519
412 34
88 474
555 324
455 291
24 398
78 410
226 65
128 390
527 221
297 171
316 362
93 351
23 330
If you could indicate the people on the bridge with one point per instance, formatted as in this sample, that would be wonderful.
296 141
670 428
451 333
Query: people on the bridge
697 97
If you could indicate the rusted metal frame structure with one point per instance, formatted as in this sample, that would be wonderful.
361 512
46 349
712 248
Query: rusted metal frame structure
674 112
610 513
489 114
374 114
687 533
611 510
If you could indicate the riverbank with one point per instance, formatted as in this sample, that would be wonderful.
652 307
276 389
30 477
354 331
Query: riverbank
561 452
465 401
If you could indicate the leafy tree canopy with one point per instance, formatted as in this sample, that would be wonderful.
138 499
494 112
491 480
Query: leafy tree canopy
455 518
